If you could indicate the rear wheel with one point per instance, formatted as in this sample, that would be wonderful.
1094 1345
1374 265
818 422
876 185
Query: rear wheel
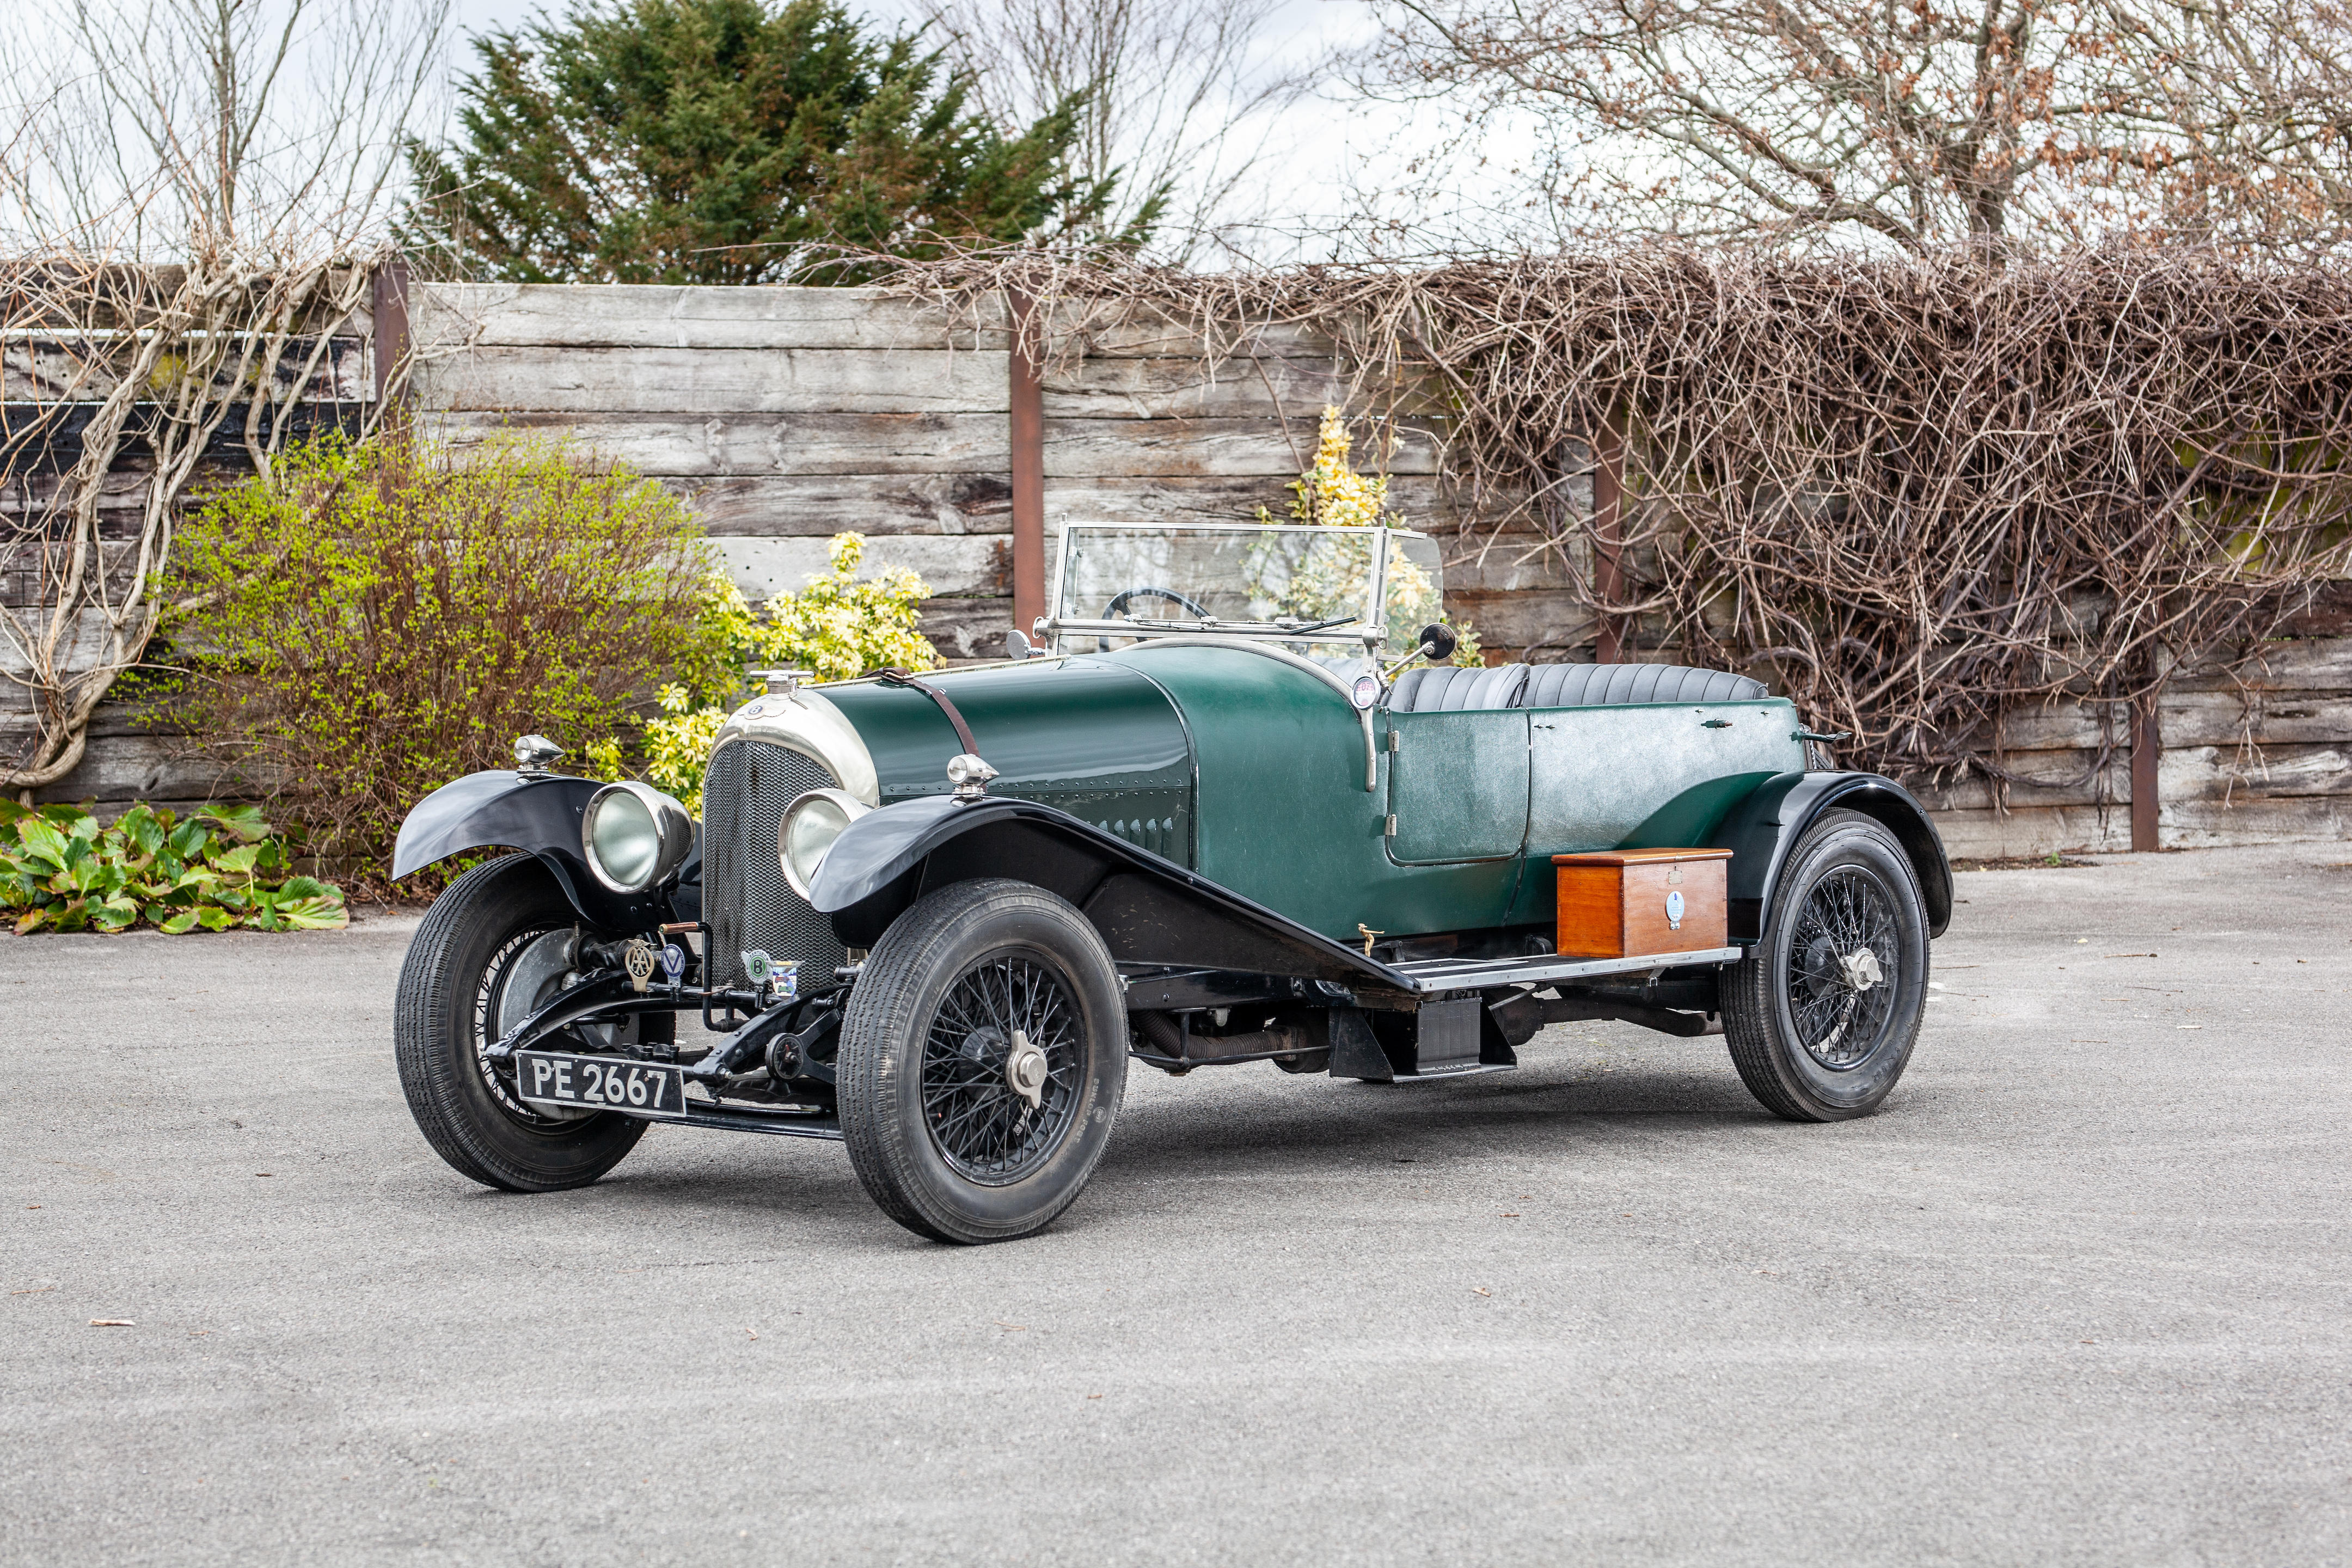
983 1057
495 948
1823 1012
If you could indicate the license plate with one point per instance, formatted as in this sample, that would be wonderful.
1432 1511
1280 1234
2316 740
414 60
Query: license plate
606 1083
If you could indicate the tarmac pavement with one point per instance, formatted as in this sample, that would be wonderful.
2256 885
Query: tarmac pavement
2078 1295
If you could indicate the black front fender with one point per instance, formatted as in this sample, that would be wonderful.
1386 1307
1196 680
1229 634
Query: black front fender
1762 830
1148 910
541 814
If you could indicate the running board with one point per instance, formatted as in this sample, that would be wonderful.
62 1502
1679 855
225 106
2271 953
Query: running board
1431 976
748 1118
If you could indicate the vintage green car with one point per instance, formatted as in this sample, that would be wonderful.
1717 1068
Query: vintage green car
1204 820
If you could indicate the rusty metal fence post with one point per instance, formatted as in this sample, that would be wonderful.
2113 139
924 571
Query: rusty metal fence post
1608 532
1028 433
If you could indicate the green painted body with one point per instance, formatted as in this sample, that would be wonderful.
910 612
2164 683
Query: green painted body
1252 770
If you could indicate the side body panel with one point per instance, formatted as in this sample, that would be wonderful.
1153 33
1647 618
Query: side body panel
1084 736
1458 784
1284 816
1644 775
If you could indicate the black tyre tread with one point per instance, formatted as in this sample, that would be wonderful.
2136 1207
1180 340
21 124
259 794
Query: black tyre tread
510 891
1750 1007
880 1018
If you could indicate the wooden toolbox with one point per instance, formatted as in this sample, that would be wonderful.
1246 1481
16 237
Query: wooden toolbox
1629 903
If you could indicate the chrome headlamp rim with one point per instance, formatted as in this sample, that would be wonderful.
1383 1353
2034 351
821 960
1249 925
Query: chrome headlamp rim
851 809
673 835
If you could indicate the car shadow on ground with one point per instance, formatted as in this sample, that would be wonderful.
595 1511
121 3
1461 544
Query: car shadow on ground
1315 1127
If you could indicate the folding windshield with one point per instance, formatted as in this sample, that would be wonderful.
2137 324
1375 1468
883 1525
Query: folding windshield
1287 584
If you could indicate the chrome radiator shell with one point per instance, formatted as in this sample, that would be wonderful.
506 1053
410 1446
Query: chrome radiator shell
745 898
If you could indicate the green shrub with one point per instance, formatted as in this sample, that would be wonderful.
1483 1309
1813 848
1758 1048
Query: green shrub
60 870
368 622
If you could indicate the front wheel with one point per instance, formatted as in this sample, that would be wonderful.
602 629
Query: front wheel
1823 1012
984 1055
495 947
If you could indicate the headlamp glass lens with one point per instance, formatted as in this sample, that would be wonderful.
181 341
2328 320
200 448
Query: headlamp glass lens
626 839
810 832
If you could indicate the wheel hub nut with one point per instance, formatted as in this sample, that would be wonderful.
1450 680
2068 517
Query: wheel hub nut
1860 970
1024 1069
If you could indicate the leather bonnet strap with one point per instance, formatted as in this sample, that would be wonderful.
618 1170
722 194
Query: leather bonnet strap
947 706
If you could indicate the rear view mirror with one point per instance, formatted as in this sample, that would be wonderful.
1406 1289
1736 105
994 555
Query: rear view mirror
1437 642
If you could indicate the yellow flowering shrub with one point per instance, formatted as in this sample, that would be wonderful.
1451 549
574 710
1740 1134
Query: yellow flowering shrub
837 628
841 625
1332 494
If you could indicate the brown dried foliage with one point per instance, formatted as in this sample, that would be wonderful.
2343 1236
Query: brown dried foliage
1917 494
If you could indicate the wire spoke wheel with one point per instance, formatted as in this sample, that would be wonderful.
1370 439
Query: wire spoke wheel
1843 951
1822 1015
1001 1065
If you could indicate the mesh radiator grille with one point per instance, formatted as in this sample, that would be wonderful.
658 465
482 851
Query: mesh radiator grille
749 904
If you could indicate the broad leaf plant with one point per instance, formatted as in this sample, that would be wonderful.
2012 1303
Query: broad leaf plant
61 870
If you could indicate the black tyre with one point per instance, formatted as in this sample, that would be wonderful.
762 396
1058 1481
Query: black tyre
983 1057
488 954
1821 1014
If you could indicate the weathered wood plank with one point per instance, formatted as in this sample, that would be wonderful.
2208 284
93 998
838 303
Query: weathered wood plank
2211 824
2033 830
90 636
1140 332
722 443
27 569
668 380
2227 774
621 315
1177 388
38 295
871 504
2303 664
2039 779
145 767
47 440
1538 626
950 567
1216 499
971 628
1260 446
63 370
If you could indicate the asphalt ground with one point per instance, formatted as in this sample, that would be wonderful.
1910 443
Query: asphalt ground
2077 1294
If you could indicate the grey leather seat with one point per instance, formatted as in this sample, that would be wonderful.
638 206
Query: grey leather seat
1601 685
1445 689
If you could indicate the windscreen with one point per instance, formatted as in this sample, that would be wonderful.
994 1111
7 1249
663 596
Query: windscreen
1314 581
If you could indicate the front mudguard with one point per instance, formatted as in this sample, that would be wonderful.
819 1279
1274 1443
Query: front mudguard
541 814
1148 909
1763 829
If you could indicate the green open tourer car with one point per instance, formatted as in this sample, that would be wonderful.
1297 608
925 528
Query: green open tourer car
1230 805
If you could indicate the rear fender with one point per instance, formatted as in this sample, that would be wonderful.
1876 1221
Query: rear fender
1762 830
540 813
1148 910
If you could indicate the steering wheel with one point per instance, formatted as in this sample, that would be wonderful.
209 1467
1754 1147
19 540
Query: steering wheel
1127 596
1121 602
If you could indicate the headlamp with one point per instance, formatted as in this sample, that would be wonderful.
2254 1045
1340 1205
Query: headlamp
807 829
635 836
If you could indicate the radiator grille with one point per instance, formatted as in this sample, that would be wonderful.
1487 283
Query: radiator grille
748 903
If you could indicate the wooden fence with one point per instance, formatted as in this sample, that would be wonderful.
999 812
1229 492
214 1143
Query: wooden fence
788 414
